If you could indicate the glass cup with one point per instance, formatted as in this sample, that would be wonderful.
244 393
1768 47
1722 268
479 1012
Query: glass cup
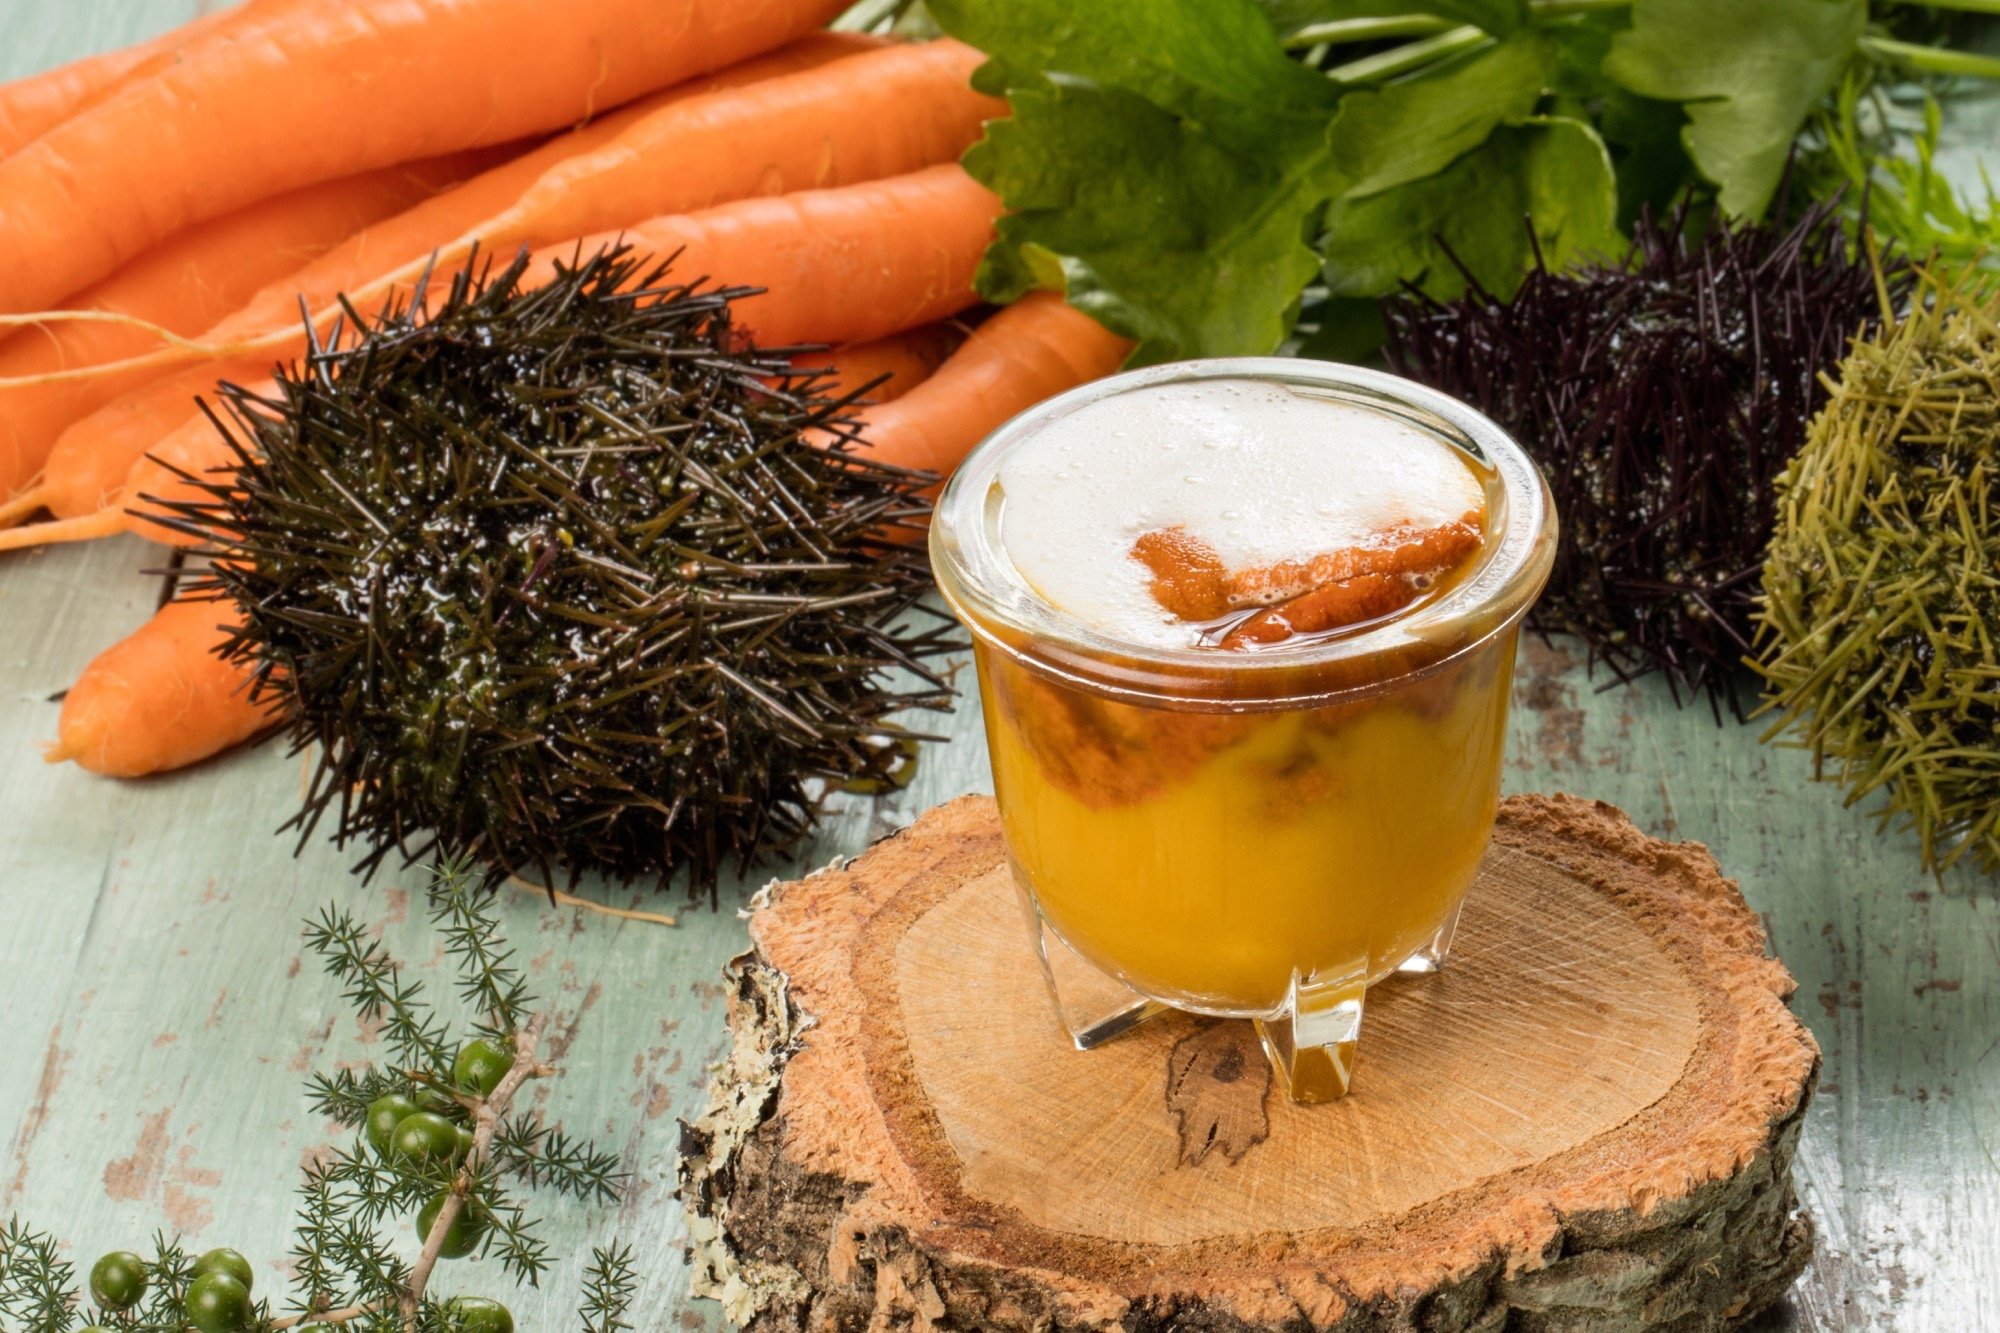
1259 834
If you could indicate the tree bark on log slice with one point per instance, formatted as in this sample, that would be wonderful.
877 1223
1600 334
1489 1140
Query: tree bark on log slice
1587 1120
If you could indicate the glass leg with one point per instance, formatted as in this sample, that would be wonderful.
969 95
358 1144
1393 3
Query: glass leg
1431 957
1311 1042
1092 1006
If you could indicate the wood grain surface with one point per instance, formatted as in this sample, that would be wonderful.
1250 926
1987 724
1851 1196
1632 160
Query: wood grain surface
1592 1112
156 1019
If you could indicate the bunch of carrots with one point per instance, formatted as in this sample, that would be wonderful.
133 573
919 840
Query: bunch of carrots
182 213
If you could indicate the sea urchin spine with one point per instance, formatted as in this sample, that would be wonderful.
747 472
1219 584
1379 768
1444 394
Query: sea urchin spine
549 577
1661 396
1880 621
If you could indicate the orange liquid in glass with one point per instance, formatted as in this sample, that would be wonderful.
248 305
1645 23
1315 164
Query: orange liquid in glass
1206 856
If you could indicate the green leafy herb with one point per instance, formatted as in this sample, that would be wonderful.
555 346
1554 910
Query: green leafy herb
1186 182
1543 186
1168 179
1306 21
1749 73
1403 132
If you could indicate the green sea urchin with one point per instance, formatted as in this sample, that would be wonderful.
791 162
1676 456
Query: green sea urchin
551 578
1879 626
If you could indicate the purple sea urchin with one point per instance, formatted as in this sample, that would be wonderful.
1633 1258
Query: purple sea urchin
1662 396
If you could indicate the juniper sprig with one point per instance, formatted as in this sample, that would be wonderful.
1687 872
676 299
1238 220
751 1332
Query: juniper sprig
608 1290
435 1136
35 1280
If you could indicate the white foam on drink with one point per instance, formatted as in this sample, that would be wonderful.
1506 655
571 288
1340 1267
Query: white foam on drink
1257 471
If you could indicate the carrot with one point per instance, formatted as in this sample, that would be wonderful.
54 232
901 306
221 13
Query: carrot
161 698
184 286
85 482
839 266
88 463
900 362
870 116
31 107
816 113
491 209
659 157
337 89
843 265
1034 349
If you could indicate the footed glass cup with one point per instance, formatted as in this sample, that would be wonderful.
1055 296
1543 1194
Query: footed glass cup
1259 834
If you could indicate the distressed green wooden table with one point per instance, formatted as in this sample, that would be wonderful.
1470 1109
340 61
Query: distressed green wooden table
158 1019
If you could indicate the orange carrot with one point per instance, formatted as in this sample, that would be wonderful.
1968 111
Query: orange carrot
31 107
658 157
88 463
900 362
830 109
1034 349
184 286
88 471
839 266
161 698
337 89
843 265
871 116
492 210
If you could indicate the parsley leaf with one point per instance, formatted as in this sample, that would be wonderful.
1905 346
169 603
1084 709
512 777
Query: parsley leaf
1500 17
1181 177
1750 72
1215 61
1416 128
1545 183
1154 226
1165 165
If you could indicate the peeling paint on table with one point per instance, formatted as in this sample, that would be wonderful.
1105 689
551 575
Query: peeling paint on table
159 1017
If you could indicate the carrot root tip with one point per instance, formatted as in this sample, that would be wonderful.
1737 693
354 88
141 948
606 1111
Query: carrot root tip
85 527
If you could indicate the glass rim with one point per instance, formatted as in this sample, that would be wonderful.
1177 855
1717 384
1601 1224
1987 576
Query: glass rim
989 595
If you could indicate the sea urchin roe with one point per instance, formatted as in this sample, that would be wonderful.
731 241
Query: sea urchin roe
1235 513
1328 592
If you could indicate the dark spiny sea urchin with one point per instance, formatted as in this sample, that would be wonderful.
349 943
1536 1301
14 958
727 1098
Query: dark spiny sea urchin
1661 396
1880 627
552 577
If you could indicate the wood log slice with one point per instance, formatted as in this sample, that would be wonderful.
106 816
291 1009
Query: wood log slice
1587 1120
